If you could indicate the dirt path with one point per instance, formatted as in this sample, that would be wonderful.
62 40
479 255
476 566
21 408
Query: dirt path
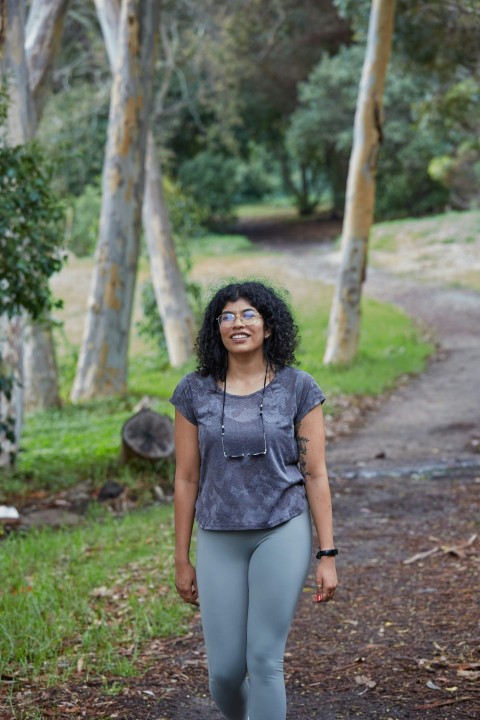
402 639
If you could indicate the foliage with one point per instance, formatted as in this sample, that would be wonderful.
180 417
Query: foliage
30 231
211 179
320 134
459 168
73 131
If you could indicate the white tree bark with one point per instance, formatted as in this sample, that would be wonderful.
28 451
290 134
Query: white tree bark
172 302
102 367
43 34
21 117
344 327
11 363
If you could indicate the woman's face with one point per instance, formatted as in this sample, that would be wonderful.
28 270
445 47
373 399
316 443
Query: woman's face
242 328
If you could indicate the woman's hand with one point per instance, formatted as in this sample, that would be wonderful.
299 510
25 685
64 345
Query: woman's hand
186 583
326 579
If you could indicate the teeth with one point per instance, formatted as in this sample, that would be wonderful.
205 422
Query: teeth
240 335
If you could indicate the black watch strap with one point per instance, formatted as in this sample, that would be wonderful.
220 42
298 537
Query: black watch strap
326 553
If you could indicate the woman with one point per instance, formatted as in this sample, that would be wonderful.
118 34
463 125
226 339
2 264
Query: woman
250 448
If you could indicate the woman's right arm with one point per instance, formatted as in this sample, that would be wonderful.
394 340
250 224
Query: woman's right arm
187 474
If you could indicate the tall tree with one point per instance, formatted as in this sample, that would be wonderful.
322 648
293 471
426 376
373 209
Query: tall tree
42 40
102 367
172 302
17 233
344 328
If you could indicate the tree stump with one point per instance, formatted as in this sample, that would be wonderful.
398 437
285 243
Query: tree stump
147 435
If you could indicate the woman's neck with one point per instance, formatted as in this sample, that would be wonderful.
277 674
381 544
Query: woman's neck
246 375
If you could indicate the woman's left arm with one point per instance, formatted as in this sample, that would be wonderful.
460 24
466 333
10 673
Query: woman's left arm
310 434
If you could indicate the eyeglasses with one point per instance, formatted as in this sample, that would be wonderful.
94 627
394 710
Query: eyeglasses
247 317
245 454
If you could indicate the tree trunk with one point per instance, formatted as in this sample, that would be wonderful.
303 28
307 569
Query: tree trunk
40 367
43 35
11 406
172 302
147 435
21 117
344 328
177 318
102 367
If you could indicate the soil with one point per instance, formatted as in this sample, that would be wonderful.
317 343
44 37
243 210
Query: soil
402 638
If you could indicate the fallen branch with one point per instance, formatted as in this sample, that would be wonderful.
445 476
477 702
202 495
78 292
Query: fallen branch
445 549
441 703
421 555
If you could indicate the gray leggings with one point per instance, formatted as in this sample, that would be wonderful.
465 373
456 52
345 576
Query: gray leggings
249 583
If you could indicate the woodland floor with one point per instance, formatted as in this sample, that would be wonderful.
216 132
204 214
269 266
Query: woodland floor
402 638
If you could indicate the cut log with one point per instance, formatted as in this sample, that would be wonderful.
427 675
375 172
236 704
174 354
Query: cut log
147 435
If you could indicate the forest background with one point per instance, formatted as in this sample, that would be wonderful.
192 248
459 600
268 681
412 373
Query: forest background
253 107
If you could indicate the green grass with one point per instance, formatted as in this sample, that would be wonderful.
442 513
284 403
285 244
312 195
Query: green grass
214 245
92 595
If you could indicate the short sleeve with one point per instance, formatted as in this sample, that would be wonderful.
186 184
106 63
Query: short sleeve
309 395
182 399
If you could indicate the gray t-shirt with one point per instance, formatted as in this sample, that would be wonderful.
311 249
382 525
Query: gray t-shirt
253 491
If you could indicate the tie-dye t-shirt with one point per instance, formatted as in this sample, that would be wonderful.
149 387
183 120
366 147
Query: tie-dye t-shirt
252 491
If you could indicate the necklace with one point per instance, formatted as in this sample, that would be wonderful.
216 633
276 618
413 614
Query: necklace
244 454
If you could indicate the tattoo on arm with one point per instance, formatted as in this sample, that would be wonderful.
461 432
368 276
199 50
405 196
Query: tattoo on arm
302 451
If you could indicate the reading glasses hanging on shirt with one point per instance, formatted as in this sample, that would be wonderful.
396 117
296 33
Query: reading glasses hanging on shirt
237 453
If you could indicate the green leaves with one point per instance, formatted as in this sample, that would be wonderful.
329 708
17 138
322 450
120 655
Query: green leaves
31 232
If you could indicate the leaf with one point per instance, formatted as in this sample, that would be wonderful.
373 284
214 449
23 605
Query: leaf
431 685
364 680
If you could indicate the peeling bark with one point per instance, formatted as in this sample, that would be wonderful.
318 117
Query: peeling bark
344 327
172 302
102 367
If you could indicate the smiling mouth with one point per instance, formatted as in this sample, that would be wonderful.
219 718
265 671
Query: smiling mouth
240 336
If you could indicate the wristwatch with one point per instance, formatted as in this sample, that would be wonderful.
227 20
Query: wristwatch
326 553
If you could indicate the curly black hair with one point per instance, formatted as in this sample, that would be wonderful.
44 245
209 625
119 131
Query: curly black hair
279 347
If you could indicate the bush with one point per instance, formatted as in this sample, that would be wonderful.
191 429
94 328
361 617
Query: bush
212 180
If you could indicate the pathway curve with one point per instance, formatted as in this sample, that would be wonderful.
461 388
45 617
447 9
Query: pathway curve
435 418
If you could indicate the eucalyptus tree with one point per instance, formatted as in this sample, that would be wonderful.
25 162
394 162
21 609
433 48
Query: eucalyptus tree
344 327
102 367
167 282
